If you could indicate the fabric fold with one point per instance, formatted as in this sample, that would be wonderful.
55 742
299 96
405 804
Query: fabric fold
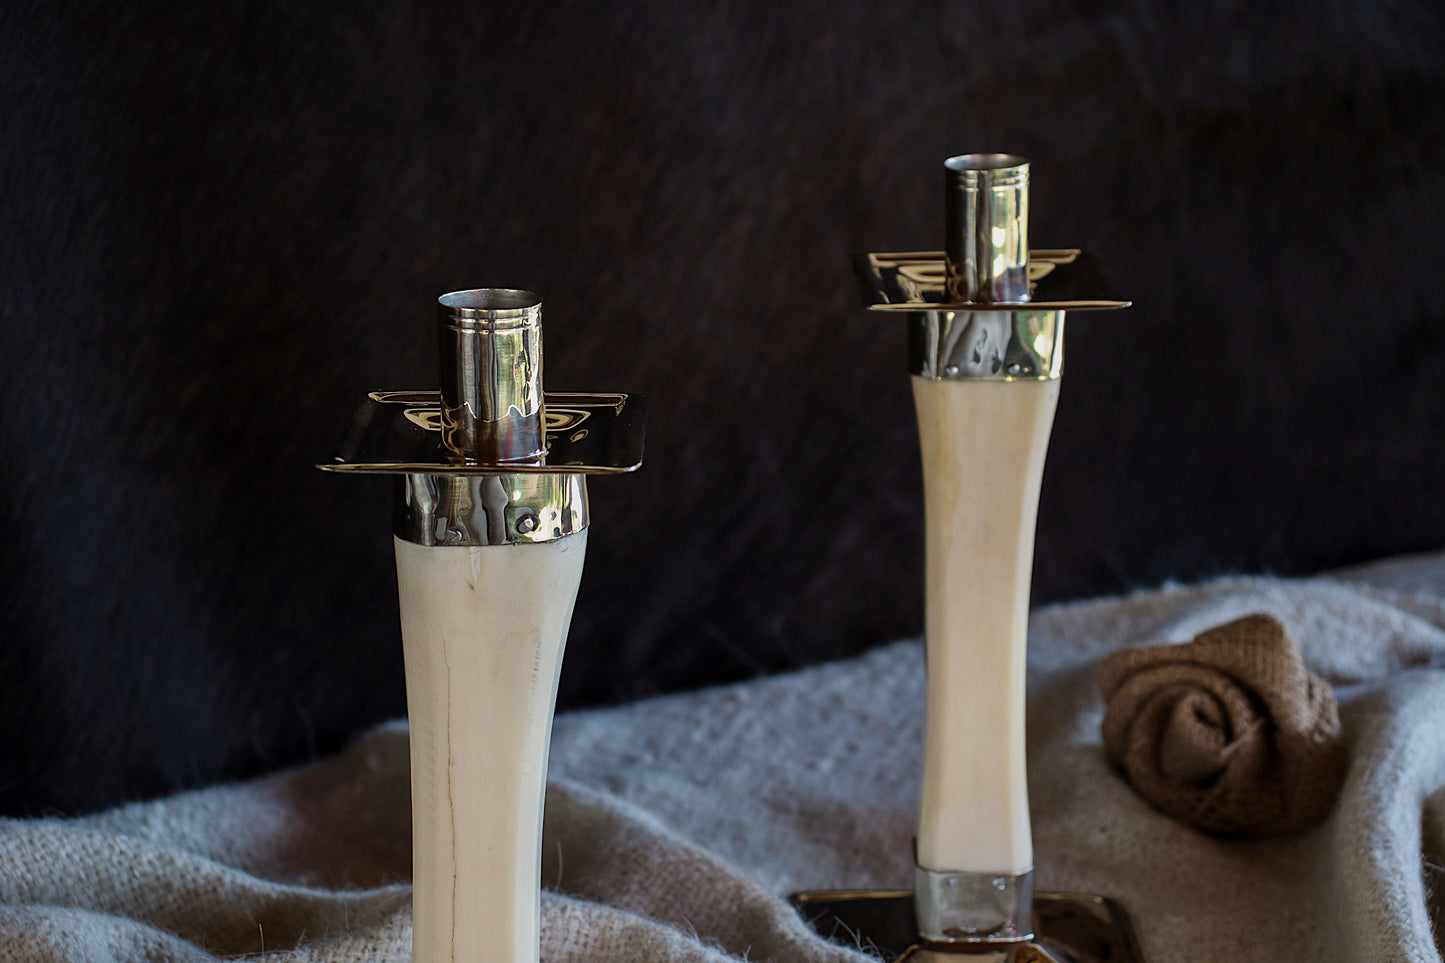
677 826
1230 732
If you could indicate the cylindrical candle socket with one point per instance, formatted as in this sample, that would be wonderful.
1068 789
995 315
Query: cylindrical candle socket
986 227
491 374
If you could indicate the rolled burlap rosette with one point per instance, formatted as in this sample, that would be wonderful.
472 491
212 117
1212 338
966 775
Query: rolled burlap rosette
1229 732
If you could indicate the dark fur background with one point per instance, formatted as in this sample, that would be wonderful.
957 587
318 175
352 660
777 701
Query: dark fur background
224 222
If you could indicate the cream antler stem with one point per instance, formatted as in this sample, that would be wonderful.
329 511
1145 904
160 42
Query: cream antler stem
983 448
483 627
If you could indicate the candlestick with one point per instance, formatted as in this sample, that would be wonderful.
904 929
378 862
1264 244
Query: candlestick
986 321
490 526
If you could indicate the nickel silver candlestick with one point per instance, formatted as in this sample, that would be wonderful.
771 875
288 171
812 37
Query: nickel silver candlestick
490 525
985 320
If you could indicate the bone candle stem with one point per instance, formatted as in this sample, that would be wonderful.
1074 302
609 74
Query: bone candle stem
983 445
483 629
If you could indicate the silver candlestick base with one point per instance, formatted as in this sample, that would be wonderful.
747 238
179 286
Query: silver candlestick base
1069 928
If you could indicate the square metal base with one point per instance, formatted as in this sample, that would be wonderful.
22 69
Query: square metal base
1072 928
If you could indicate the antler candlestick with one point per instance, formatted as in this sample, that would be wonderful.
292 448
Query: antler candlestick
490 532
986 321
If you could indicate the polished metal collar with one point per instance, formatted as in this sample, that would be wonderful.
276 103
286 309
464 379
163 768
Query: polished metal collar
986 345
488 509
973 908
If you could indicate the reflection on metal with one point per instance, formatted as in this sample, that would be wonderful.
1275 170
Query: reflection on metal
401 431
973 907
1059 280
1069 927
490 458
986 345
986 228
491 373
488 509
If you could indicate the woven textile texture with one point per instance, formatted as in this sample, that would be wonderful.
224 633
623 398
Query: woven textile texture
676 826
1230 731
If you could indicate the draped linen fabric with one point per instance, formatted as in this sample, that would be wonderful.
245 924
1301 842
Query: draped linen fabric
676 826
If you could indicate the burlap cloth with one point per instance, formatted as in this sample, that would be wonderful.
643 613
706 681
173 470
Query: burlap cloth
675 825
1229 732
